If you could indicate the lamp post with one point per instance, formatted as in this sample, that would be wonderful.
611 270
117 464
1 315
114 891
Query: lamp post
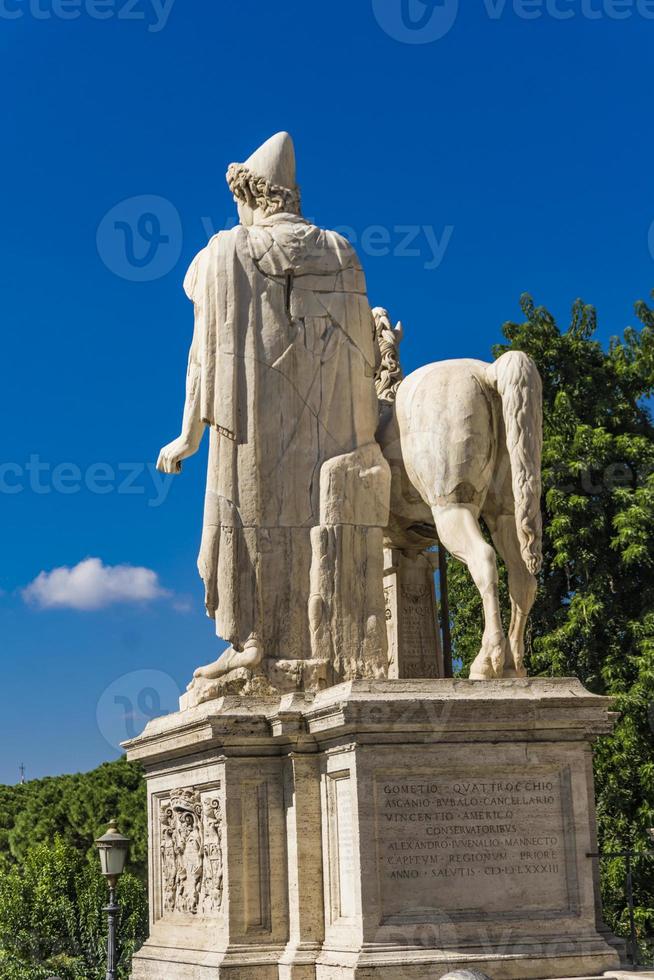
113 848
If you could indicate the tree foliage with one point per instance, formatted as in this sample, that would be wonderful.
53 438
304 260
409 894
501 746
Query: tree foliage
594 617
77 809
52 893
52 921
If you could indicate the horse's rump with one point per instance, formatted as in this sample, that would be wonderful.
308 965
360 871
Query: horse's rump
448 417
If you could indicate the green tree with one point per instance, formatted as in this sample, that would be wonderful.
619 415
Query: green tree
52 920
77 808
594 617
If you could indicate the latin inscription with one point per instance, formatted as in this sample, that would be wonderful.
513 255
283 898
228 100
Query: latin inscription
493 844
411 617
418 621
418 630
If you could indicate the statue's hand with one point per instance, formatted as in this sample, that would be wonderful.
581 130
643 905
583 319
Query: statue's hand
172 455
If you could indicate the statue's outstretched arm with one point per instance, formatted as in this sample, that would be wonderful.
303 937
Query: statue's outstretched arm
188 443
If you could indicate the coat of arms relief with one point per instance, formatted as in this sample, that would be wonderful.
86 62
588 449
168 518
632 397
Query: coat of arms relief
191 847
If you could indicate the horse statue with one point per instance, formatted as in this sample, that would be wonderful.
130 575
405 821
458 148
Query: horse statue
464 441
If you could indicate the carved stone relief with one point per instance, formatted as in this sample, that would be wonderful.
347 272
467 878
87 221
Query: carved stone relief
212 884
191 853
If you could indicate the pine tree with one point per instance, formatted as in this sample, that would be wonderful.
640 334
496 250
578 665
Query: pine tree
76 808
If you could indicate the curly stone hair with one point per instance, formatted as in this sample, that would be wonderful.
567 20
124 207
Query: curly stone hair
389 374
258 192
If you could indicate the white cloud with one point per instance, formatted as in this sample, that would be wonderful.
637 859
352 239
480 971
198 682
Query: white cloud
183 604
93 585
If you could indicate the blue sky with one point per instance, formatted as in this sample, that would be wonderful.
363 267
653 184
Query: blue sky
511 153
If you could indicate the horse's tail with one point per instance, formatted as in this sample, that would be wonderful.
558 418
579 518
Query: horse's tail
516 379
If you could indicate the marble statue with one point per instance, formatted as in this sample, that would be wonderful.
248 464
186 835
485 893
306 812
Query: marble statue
304 828
464 442
313 430
282 372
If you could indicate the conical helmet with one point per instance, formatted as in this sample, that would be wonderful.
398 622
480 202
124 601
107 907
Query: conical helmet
274 164
275 161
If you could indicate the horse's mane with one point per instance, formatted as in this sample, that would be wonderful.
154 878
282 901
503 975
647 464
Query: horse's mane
389 373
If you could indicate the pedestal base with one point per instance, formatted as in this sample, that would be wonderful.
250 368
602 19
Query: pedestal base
379 830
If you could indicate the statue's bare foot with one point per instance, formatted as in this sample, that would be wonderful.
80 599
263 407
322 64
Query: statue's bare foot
250 657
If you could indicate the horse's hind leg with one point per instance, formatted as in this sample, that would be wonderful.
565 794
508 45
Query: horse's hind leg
459 531
522 586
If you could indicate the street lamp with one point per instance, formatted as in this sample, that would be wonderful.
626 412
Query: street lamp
113 848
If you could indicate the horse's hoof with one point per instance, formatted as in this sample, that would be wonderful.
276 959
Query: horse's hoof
515 669
498 658
481 670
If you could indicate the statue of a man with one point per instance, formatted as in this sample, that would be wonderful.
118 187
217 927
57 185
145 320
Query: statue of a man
281 371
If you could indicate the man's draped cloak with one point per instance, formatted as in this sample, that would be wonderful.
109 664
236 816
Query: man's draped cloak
284 340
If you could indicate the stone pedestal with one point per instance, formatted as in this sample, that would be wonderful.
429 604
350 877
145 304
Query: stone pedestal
414 637
379 830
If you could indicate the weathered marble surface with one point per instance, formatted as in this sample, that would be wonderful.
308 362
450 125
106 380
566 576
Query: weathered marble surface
377 830
631 975
281 370
314 432
641 974
465 975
